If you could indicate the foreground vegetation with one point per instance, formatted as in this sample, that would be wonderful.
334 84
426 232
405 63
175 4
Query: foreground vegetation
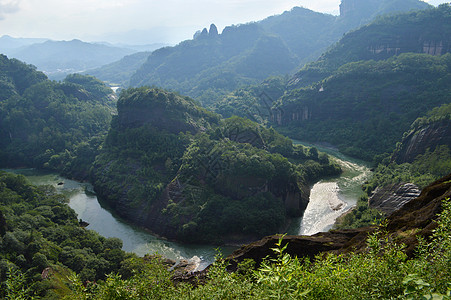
381 272
39 231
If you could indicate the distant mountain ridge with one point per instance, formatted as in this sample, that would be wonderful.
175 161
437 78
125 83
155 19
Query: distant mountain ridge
9 43
59 58
213 64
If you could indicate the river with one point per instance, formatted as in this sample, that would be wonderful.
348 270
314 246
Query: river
106 223
329 199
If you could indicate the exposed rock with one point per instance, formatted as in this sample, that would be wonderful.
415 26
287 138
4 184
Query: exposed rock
429 136
415 218
213 30
83 223
301 246
392 197
47 273
291 114
180 268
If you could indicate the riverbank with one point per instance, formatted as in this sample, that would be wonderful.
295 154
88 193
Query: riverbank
108 224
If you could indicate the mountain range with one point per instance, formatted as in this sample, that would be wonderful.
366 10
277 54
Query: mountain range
60 58
212 64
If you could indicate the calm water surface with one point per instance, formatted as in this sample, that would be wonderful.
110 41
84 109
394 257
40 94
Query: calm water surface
100 219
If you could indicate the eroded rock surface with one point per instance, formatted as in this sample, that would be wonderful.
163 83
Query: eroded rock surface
392 197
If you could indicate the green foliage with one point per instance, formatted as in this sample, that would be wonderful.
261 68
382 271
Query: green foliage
119 73
52 125
366 100
203 179
253 102
211 65
425 169
360 216
387 36
42 233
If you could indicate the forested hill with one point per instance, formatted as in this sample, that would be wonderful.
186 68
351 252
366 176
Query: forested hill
354 94
50 124
213 64
118 73
188 175
365 107
425 31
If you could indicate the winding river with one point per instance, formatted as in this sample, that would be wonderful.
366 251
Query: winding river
329 199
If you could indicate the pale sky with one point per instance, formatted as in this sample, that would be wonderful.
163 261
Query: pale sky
139 21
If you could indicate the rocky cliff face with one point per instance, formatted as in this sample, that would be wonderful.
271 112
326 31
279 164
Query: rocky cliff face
392 197
426 137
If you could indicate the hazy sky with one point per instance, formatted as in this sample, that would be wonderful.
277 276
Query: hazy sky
139 21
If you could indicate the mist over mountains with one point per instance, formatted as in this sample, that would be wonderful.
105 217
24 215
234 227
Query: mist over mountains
60 58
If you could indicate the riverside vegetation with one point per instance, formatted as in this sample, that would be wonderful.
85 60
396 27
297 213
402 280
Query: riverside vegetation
382 271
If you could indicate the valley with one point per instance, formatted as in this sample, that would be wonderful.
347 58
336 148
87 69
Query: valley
123 185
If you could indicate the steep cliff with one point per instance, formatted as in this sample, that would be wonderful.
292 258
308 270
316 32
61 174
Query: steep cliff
392 197
428 136
425 31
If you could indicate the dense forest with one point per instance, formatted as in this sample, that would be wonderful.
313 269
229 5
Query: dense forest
422 31
421 157
47 124
366 100
42 243
339 98
188 175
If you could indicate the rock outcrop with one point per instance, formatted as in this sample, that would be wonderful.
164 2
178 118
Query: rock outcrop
392 197
426 137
